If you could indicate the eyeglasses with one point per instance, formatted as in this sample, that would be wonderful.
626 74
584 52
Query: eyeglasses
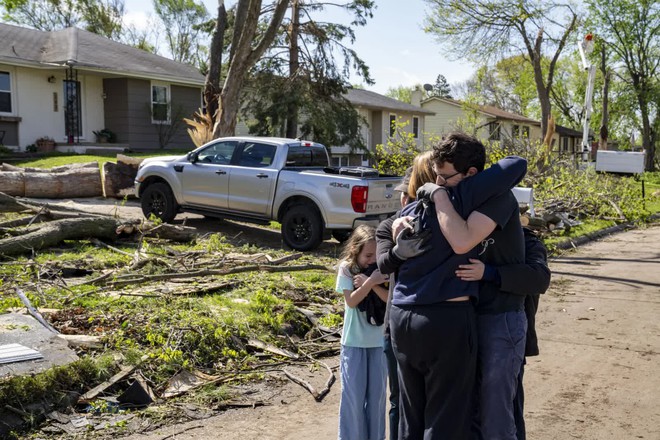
446 178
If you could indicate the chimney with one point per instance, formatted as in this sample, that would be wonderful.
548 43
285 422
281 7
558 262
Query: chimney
416 97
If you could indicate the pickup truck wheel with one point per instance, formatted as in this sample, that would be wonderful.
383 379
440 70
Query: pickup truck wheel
302 228
157 199
341 235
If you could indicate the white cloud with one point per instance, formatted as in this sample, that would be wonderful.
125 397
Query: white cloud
139 19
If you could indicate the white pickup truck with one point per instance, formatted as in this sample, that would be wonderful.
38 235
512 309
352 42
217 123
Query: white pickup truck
259 179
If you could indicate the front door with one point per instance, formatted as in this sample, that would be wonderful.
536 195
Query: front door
72 110
205 183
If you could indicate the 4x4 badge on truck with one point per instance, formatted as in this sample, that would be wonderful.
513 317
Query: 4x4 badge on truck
340 185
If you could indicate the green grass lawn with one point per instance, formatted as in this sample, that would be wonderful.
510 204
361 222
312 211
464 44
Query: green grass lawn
58 159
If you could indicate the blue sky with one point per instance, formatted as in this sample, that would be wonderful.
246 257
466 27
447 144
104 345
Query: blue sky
393 44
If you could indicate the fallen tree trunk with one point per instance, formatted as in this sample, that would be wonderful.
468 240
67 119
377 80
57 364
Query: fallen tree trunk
59 169
107 228
52 233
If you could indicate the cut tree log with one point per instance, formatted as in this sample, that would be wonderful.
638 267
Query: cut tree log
59 169
83 182
119 178
12 183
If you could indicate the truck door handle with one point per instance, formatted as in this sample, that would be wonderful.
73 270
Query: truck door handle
221 172
262 176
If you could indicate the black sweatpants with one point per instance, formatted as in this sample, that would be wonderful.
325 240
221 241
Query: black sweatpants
436 349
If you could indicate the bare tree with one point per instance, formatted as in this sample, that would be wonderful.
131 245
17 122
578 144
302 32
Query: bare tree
486 29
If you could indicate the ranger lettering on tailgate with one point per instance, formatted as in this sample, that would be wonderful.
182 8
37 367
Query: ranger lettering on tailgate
381 206
340 185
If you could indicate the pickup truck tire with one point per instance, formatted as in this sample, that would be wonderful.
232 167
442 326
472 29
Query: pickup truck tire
302 228
157 199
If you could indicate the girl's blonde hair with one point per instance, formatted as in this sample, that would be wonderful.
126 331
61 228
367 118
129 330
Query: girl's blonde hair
422 172
353 246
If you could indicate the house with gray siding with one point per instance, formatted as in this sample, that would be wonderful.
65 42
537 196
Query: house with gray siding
67 84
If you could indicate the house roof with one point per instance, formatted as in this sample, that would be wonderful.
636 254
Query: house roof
569 132
87 51
488 111
373 100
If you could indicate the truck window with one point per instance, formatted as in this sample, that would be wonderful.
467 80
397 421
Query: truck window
257 155
219 153
313 156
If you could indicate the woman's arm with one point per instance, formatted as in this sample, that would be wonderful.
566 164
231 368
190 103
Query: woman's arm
381 291
386 260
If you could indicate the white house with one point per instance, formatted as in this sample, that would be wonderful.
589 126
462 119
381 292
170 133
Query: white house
67 84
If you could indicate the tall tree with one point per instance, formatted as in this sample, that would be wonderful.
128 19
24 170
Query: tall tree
401 93
44 15
103 17
306 72
441 88
487 29
183 23
246 48
631 29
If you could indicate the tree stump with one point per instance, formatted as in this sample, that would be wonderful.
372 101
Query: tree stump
119 178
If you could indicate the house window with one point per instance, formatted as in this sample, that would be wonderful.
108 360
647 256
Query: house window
392 125
515 131
525 132
494 131
415 127
340 161
160 104
5 92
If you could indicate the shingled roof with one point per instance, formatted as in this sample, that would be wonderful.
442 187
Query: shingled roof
489 110
87 51
365 98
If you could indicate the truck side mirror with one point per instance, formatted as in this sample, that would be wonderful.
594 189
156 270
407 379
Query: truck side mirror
192 157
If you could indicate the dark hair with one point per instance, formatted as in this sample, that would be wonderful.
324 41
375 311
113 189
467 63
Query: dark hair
461 150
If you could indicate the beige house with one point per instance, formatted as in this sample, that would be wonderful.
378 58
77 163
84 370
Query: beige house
491 122
495 124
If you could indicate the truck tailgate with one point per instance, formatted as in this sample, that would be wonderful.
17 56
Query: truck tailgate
382 198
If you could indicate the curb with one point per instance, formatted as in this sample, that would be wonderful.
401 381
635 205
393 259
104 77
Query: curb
592 236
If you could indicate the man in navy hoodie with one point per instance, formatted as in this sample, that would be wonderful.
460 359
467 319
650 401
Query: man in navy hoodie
494 231
432 319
